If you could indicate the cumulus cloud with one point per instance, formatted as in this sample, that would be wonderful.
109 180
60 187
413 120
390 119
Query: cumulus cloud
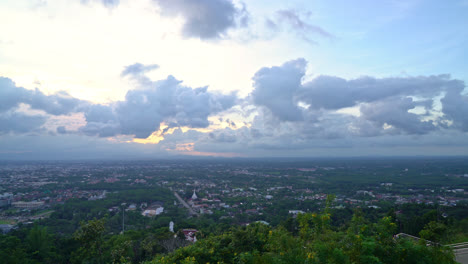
60 103
205 19
10 95
286 115
275 89
386 106
455 108
16 121
393 113
168 100
322 91
145 108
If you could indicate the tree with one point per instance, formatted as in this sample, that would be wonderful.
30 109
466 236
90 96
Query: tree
11 250
433 231
40 245
91 237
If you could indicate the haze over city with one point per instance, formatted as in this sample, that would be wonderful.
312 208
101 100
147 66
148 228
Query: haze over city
86 79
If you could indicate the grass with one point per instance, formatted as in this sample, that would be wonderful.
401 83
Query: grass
44 212
7 222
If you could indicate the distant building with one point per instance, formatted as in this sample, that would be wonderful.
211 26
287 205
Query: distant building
5 202
296 212
152 212
194 195
6 228
27 205
190 234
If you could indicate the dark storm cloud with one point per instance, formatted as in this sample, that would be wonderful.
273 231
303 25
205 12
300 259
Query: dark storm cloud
205 19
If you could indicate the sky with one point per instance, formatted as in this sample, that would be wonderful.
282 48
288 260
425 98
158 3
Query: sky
149 79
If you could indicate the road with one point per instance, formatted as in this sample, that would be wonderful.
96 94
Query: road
191 211
22 219
461 255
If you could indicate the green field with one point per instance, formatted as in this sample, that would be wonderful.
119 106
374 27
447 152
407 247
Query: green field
7 222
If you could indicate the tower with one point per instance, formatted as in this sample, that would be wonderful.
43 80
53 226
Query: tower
194 195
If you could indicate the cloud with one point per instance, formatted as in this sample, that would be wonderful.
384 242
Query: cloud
393 113
275 88
285 115
60 103
330 92
106 3
16 120
19 123
73 146
145 108
61 130
386 106
223 136
168 100
101 120
139 115
138 69
100 114
296 22
455 108
10 95
205 19
108 129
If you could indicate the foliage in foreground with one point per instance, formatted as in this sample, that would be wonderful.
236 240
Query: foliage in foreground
315 242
